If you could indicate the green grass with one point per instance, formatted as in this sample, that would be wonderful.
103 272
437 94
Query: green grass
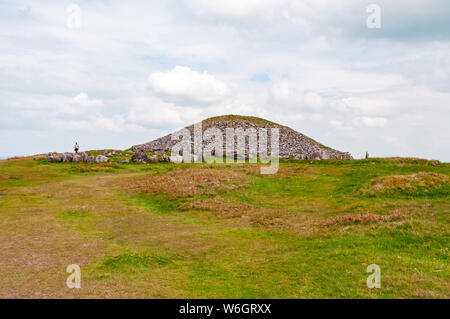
277 244
134 261
73 214
156 203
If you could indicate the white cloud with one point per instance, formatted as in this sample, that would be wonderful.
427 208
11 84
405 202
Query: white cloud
153 112
365 106
414 19
186 85
248 9
83 100
117 123
339 125
370 121
331 77
78 105
50 103
313 100
392 140
280 91
98 123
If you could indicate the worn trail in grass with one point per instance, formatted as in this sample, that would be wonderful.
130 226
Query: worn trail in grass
224 231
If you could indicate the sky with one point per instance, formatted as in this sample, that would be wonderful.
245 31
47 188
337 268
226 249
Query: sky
112 74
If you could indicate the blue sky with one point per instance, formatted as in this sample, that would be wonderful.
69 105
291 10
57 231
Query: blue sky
132 71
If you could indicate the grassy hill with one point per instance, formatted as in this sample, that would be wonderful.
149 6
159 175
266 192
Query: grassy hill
224 231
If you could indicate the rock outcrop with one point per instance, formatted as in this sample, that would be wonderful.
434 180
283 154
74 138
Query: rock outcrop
176 158
53 158
153 159
164 158
67 157
101 159
292 144
139 156
76 158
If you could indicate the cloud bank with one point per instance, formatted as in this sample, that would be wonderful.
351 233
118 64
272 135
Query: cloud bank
130 72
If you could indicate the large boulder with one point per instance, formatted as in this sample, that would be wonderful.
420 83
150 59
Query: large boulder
180 158
139 156
76 158
165 158
176 159
101 159
84 157
299 156
67 157
324 155
316 156
124 160
53 158
57 159
90 159
153 159
346 156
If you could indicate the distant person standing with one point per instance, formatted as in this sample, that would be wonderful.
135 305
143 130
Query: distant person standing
76 147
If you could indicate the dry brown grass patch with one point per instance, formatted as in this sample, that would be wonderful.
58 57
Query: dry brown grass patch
412 160
8 176
219 206
363 218
35 157
83 167
407 182
255 169
299 223
189 182
248 215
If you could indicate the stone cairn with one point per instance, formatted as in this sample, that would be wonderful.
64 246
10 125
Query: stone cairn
292 144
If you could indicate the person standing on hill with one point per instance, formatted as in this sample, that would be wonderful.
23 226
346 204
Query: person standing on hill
76 147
